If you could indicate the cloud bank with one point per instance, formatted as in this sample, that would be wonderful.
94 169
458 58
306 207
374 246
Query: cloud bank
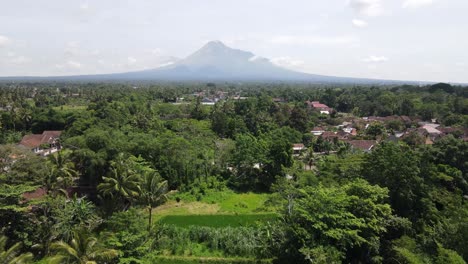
367 7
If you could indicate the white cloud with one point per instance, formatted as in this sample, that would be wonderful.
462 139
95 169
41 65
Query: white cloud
20 60
72 48
367 7
69 65
255 58
417 3
288 62
359 23
74 64
131 60
84 6
165 64
312 40
156 52
375 59
4 40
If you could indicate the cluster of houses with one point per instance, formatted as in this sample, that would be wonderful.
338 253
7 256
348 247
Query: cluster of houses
353 130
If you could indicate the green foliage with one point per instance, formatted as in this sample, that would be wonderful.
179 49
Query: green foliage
407 251
218 220
124 179
346 219
12 254
448 256
136 145
194 260
153 192
82 249
397 168
127 233
229 241
375 129
13 194
72 214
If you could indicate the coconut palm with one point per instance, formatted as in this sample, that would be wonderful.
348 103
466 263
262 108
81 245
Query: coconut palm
82 249
63 168
308 158
153 192
123 181
12 255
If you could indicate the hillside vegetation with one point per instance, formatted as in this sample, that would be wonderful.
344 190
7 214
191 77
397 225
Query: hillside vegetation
233 173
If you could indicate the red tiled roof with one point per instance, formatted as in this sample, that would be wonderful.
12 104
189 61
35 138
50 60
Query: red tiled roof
319 105
316 104
35 140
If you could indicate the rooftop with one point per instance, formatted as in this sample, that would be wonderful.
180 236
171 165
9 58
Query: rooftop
35 140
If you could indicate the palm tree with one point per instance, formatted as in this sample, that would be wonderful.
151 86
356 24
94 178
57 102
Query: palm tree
63 168
12 255
153 192
82 249
308 158
123 181
25 114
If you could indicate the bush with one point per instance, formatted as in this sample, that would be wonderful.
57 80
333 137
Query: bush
227 241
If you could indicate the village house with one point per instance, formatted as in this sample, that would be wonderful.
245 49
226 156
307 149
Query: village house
298 148
330 136
42 144
432 129
350 130
208 101
322 108
317 131
364 145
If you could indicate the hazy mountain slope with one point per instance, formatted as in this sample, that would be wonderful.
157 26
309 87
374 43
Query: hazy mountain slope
214 61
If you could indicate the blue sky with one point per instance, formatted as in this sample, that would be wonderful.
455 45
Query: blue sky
423 40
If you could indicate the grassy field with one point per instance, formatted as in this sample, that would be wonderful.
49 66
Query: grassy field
216 209
217 220
229 201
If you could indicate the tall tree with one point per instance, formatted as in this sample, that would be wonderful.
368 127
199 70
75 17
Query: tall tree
153 192
124 178
397 168
330 224
61 173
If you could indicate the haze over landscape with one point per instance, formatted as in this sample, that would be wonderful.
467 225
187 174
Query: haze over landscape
413 40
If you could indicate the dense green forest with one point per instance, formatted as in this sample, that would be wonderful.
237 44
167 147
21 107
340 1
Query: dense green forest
233 173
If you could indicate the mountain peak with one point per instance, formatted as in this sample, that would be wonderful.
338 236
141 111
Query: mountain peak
215 43
214 46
